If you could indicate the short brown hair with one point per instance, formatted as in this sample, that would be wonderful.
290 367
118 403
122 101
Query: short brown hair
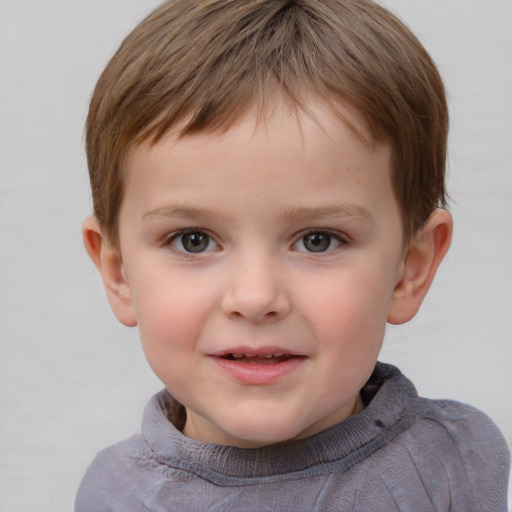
197 65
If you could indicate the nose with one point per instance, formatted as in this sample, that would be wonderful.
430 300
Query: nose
255 291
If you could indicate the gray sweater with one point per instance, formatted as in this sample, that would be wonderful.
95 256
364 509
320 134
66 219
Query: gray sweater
402 453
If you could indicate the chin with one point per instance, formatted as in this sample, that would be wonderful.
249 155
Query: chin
256 434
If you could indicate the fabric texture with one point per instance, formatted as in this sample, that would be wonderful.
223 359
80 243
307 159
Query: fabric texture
401 453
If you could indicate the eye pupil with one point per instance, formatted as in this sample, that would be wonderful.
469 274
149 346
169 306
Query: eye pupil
195 241
317 242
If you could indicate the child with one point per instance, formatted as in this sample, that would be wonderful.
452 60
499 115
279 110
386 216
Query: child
268 185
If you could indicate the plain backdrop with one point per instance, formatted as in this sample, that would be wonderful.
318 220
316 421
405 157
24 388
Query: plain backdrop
73 380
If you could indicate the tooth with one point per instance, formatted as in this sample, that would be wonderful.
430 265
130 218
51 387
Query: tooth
238 356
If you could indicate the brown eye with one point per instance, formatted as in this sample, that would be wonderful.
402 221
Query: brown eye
193 242
317 242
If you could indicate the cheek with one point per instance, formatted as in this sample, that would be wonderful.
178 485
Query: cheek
351 310
170 312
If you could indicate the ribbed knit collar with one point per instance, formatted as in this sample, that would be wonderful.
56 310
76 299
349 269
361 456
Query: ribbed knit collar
387 395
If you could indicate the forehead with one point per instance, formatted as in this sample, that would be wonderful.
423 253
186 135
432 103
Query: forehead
289 160
276 109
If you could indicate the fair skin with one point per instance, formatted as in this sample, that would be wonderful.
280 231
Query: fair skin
261 266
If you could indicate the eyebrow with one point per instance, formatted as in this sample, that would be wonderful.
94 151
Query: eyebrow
297 214
184 211
348 211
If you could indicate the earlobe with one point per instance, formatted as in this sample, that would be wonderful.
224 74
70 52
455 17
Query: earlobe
419 266
109 264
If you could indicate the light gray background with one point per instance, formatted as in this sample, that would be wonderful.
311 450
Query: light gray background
73 380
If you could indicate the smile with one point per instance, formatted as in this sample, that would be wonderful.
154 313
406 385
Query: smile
258 366
260 359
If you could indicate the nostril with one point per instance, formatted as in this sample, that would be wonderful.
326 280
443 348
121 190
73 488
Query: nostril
255 304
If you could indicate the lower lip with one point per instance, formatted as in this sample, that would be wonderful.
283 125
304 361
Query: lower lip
259 374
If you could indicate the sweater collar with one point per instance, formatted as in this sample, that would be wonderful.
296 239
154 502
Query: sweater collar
387 396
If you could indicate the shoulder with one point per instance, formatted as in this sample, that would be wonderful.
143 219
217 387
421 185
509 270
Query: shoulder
443 425
469 430
113 481
462 443
138 473
448 452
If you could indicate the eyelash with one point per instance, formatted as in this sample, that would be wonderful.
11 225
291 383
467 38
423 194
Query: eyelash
300 239
168 241
333 235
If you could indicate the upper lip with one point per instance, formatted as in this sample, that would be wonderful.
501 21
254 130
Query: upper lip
268 351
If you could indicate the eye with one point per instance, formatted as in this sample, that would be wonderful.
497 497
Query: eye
319 241
192 242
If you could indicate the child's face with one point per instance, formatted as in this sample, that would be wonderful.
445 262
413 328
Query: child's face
260 268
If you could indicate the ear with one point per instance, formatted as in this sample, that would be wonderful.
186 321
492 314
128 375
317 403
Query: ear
110 266
420 264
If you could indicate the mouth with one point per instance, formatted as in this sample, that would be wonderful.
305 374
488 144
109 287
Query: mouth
268 358
258 366
262 355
